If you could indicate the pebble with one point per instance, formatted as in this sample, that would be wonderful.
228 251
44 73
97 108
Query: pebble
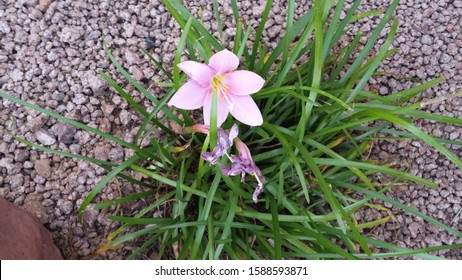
43 168
65 206
70 34
21 155
4 27
64 132
16 181
45 138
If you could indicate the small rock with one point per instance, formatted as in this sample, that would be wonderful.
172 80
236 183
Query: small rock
70 34
137 73
45 138
426 40
94 35
58 96
65 206
414 228
21 155
52 56
4 27
105 125
125 117
33 205
34 39
3 148
7 163
94 81
131 57
35 124
89 217
74 148
44 4
16 181
80 99
101 152
42 167
116 154
16 75
65 132
129 29
21 37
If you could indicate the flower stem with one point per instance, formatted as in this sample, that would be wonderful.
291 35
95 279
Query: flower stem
213 120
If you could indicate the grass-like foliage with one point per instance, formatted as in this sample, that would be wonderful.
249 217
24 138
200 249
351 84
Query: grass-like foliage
319 124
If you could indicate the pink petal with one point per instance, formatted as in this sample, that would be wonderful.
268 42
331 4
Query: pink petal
243 82
222 110
190 96
224 61
245 110
198 72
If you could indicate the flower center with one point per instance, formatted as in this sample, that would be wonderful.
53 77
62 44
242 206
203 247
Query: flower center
219 87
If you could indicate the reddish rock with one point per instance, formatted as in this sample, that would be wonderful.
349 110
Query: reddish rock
23 237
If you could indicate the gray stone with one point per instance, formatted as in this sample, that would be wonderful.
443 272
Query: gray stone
94 81
65 206
80 99
415 228
58 96
129 29
21 36
125 117
35 124
52 56
44 4
70 34
7 163
16 75
131 57
64 132
4 27
21 155
16 181
34 39
45 138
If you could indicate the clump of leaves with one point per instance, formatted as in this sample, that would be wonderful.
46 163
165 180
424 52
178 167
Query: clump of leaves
318 123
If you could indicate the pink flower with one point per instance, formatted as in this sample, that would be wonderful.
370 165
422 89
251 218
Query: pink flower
232 86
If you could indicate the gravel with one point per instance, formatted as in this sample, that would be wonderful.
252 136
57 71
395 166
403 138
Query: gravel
51 53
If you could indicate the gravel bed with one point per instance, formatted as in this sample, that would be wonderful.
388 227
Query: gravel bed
51 52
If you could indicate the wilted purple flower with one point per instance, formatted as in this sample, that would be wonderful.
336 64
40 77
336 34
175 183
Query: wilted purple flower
224 142
244 164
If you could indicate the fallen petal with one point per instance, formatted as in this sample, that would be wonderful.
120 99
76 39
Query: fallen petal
223 62
243 82
190 96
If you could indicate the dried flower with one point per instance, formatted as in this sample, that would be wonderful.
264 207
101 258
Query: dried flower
244 164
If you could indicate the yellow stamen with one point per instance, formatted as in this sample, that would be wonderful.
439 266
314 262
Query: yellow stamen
219 87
